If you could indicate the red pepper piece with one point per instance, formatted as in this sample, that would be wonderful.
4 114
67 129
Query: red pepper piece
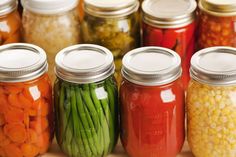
153 36
169 39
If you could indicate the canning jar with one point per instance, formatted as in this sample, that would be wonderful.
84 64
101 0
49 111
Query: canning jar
152 103
52 25
86 101
211 103
171 24
26 113
217 25
114 25
10 22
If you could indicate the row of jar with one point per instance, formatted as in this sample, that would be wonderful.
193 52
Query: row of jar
54 25
86 106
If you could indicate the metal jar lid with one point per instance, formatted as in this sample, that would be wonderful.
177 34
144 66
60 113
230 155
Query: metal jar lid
218 7
214 66
7 6
84 63
110 8
151 66
169 13
49 6
22 62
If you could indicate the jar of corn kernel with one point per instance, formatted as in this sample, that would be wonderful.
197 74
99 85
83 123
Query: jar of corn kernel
217 25
211 103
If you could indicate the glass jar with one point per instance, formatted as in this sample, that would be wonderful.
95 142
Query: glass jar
211 103
52 25
86 101
114 25
152 103
26 111
10 22
175 31
217 23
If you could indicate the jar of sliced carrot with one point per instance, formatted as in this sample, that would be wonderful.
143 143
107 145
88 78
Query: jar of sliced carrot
26 119
217 26
10 22
86 101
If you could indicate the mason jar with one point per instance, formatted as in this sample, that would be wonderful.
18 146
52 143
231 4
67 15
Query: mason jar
217 25
211 103
10 22
52 25
114 25
152 103
171 24
26 111
86 101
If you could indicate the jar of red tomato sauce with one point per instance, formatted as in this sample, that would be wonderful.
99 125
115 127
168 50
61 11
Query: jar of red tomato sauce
26 117
152 103
171 24
217 23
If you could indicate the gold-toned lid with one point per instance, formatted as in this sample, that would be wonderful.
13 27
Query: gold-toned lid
110 8
218 7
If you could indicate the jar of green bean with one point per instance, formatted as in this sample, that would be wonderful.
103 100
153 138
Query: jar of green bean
86 101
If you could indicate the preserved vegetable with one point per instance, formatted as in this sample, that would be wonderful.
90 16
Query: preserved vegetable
86 104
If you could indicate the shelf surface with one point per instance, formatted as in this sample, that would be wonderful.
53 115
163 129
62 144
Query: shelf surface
119 152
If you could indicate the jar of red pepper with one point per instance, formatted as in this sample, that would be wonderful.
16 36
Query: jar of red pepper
217 23
152 103
171 24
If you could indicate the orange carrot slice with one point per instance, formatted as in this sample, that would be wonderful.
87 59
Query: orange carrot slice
14 115
14 100
26 103
29 150
2 119
3 139
39 124
12 150
2 152
3 103
13 89
44 87
16 132
26 92
44 141
33 137
41 107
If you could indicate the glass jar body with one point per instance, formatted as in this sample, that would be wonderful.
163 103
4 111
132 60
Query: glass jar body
119 35
216 30
10 27
152 119
26 117
86 117
51 32
181 40
211 119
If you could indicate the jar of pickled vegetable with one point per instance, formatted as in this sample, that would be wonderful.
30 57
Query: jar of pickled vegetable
112 24
10 22
217 26
152 103
211 103
26 119
171 24
86 101
52 25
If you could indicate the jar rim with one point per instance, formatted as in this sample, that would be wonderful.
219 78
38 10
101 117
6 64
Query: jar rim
185 14
151 66
49 7
7 6
113 9
218 9
84 63
22 62
214 66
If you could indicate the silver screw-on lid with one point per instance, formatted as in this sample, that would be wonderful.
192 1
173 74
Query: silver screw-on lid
151 66
169 13
21 62
214 66
110 8
7 6
84 63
